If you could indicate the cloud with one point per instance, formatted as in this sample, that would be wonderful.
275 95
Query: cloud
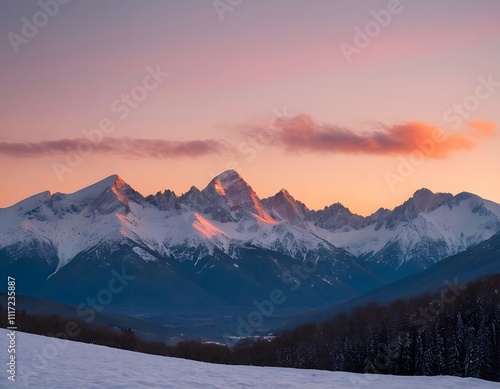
298 134
124 147
481 128
301 134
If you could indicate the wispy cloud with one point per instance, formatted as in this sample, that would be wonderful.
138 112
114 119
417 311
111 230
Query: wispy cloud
482 128
124 147
301 134
297 134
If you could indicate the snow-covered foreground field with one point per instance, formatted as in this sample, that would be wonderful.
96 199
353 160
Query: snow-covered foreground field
43 362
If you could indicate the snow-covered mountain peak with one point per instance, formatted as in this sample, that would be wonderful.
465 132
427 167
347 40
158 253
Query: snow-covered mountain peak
230 192
106 196
284 193
103 184
423 201
337 217
228 181
163 201
228 175
283 207
426 201
193 191
423 192
338 207
99 187
424 229
466 196
32 201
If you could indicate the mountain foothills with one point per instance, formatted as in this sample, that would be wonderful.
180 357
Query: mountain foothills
223 245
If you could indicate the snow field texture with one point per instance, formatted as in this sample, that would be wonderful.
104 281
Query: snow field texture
43 362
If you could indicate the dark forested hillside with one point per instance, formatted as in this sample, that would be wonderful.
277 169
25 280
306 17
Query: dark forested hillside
454 331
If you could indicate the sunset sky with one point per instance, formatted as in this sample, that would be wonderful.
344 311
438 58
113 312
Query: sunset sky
361 103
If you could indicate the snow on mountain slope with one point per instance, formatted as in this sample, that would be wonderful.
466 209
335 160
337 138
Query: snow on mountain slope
227 213
231 193
282 206
475 263
45 363
425 229
70 223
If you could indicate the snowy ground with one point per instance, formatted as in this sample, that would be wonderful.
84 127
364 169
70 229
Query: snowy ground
43 362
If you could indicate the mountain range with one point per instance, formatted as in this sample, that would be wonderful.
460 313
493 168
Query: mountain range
223 245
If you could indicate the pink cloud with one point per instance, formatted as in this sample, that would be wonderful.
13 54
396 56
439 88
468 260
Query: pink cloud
124 147
301 134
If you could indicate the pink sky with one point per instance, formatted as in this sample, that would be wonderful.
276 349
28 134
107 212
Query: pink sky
229 79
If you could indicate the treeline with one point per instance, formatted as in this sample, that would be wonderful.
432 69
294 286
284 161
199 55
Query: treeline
126 339
433 334
455 331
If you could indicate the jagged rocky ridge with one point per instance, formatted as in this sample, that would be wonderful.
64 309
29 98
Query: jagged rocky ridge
224 245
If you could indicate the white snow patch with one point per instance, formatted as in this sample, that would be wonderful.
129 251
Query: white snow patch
144 254
48 363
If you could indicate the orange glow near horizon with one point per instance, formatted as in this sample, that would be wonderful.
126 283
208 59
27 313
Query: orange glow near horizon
281 105
315 186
